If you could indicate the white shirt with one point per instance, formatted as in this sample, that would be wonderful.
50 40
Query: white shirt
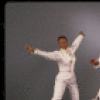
65 58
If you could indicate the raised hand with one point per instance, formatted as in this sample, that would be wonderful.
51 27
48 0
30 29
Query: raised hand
81 33
29 48
94 62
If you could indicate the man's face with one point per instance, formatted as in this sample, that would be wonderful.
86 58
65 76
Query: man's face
63 43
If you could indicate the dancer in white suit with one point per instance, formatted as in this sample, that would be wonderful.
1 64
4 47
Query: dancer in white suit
96 64
65 58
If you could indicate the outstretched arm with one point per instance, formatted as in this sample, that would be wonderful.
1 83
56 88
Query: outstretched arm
77 42
95 62
48 55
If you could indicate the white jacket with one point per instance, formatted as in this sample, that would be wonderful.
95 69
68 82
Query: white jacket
65 58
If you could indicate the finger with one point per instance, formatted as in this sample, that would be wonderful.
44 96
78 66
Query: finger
81 32
26 47
91 60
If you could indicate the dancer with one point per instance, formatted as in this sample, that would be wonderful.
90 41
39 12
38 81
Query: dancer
96 64
65 58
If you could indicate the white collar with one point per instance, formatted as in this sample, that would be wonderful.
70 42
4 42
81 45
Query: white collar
67 50
63 49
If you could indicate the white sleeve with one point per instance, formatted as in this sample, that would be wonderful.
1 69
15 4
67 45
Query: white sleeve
76 43
98 66
48 55
98 94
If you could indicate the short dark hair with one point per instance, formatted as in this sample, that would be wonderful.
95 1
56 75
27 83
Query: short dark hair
62 36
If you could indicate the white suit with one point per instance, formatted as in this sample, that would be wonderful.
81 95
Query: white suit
66 76
98 94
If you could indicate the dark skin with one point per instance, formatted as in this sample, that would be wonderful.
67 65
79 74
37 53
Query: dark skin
62 43
94 62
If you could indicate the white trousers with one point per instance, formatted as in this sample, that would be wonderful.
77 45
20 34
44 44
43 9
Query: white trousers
61 85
